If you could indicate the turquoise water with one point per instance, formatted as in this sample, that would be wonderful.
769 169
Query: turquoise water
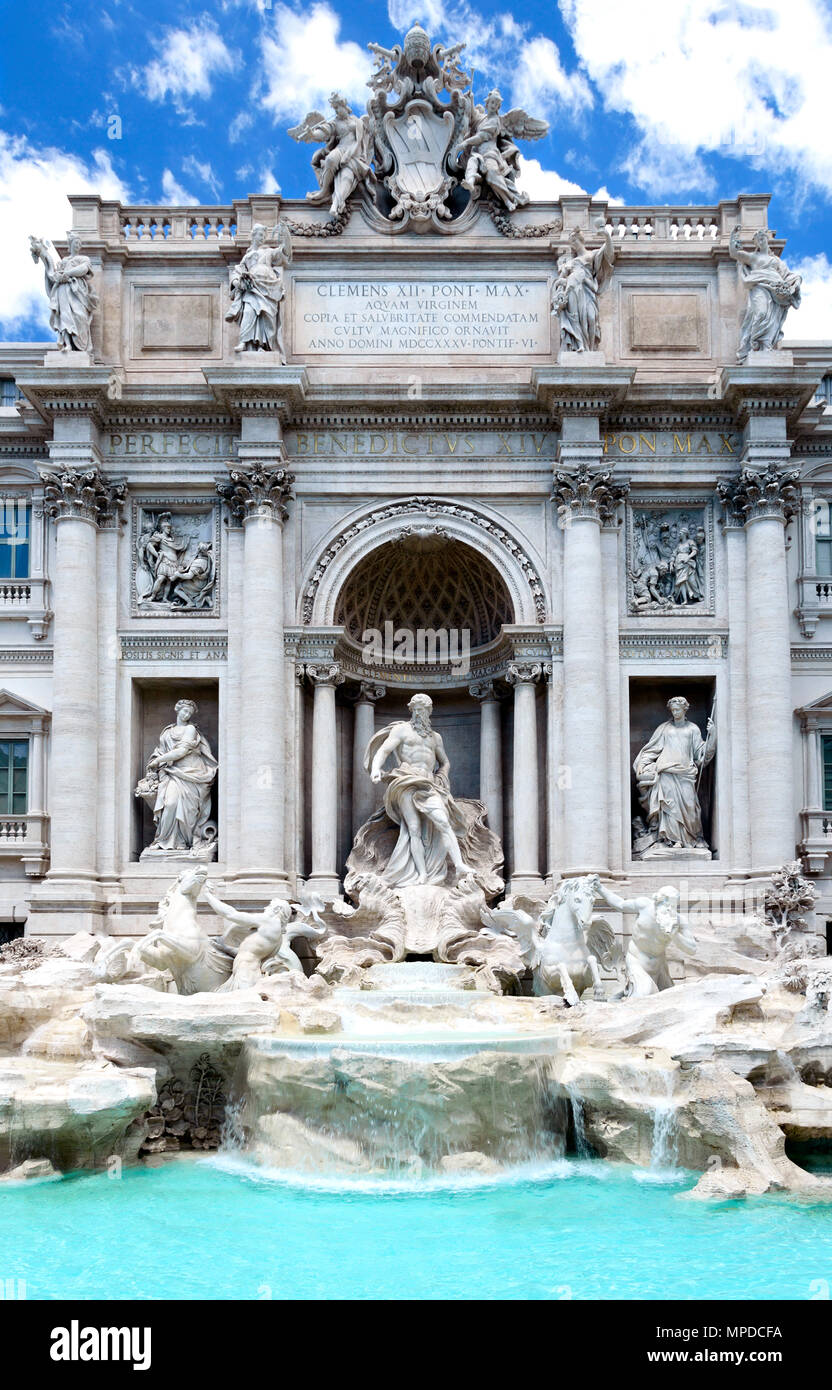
582 1230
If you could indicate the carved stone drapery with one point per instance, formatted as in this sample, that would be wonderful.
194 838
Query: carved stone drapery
754 493
85 494
257 492
584 492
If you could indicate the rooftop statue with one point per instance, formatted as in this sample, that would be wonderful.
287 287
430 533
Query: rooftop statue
344 161
773 289
422 140
72 300
257 291
582 275
492 161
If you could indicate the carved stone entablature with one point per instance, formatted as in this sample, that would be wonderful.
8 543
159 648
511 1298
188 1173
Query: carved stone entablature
673 646
670 558
173 646
755 493
586 492
326 673
175 557
257 492
85 494
463 523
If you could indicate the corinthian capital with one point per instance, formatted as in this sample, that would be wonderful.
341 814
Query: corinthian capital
83 493
582 492
759 492
257 492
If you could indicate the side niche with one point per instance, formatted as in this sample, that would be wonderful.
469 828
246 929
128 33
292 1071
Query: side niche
175 550
670 559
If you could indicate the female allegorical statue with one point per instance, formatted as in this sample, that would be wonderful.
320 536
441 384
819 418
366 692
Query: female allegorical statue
582 274
773 289
180 773
257 291
667 772
69 287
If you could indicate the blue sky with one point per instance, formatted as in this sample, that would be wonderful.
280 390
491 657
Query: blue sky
674 101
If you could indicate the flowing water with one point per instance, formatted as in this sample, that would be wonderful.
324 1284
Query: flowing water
584 1230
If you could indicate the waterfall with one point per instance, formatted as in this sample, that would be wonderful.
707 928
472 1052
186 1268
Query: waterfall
582 1147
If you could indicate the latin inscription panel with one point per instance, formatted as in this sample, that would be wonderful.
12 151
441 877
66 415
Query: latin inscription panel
428 317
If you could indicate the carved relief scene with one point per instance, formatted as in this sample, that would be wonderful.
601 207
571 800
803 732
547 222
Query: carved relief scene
175 560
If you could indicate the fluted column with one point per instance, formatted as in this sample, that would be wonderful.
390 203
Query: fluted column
587 498
525 877
765 498
324 877
78 500
364 794
491 754
257 498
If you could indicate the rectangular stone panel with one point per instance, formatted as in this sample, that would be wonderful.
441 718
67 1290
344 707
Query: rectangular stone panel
457 316
176 322
666 322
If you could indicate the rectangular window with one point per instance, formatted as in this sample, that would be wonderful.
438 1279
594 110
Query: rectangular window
9 394
15 527
14 776
826 747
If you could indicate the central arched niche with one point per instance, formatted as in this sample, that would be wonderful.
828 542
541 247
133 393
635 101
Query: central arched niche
425 581
429 580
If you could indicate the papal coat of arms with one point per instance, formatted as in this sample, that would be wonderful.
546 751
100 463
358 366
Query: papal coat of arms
424 152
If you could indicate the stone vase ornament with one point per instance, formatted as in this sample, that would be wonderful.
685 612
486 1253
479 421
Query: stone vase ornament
177 787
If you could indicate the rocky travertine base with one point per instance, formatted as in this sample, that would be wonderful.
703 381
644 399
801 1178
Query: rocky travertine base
76 1114
441 1077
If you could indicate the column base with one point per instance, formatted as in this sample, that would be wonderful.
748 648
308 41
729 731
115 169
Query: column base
527 886
269 883
327 886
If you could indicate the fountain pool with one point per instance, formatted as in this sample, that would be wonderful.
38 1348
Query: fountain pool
217 1228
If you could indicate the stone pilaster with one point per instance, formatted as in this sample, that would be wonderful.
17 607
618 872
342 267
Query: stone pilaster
588 496
364 794
491 754
525 878
79 500
325 678
257 498
761 499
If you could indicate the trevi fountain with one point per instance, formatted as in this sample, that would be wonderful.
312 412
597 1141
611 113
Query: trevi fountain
417 731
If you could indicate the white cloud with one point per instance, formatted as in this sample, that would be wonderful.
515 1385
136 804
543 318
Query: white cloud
188 59
748 79
34 184
304 61
544 184
267 181
813 319
203 173
174 193
664 170
542 84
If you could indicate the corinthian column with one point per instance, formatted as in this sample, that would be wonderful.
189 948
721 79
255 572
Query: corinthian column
324 877
491 754
525 876
257 498
79 501
364 794
764 498
588 498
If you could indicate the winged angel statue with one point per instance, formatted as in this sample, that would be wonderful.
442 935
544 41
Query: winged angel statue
343 162
492 157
